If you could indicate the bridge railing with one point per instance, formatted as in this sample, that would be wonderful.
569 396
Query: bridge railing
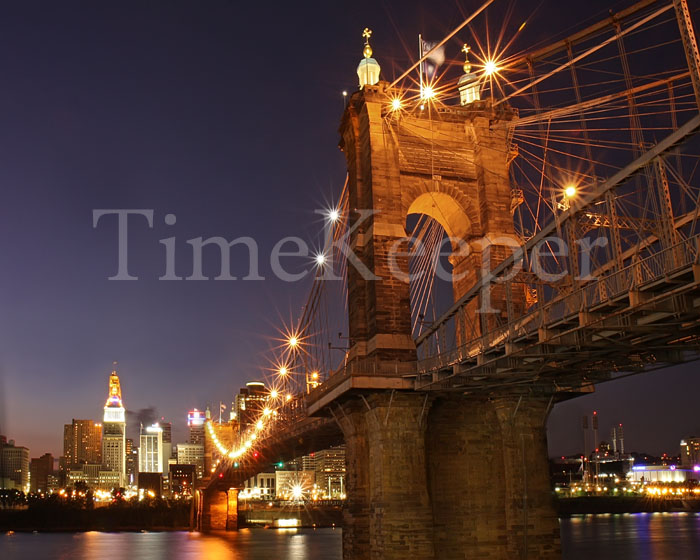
442 350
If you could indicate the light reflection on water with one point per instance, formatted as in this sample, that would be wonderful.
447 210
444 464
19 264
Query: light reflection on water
248 544
639 536
667 536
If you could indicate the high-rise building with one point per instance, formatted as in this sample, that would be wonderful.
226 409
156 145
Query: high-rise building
191 454
14 461
168 451
151 457
195 423
132 461
39 470
249 405
330 472
82 443
305 463
114 430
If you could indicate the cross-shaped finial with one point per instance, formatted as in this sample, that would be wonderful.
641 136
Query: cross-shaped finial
367 33
466 48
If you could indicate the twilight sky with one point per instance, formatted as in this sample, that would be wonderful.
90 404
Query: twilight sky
224 114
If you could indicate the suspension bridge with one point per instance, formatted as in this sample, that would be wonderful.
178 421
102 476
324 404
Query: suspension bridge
514 229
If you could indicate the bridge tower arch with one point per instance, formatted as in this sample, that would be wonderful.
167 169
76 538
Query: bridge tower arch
450 163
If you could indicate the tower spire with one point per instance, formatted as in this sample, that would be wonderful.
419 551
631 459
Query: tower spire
368 69
468 84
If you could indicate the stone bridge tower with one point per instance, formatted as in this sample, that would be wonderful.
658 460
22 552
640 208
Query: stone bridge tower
432 476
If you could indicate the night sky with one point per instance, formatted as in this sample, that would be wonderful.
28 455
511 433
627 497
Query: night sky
226 115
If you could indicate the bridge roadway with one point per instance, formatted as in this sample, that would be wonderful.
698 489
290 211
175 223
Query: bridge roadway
645 316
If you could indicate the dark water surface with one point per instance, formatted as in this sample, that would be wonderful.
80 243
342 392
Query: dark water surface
651 536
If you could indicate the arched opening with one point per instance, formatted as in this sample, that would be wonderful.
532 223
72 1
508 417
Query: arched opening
440 229
445 210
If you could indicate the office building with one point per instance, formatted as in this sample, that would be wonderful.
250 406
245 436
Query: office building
260 486
294 485
690 451
330 472
114 430
195 423
151 459
168 448
191 454
305 463
39 471
95 477
82 443
14 462
132 462
181 479
249 404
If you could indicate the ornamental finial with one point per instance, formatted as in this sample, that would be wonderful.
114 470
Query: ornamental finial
467 65
367 51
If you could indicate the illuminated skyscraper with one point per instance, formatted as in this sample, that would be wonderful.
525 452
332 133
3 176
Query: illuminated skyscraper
132 461
114 430
82 443
195 422
151 458
249 404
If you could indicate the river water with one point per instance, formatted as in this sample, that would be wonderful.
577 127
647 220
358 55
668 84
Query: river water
657 536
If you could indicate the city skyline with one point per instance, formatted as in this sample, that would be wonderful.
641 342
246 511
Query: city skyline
569 442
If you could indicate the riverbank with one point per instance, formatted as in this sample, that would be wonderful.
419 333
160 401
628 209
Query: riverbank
610 504
121 516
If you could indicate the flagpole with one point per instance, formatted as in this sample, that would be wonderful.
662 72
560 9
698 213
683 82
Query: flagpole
454 32
420 65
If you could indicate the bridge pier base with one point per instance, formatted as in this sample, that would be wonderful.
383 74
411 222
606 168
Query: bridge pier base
217 510
447 477
489 479
388 513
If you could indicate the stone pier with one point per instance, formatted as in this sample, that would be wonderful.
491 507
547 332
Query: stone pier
447 477
217 509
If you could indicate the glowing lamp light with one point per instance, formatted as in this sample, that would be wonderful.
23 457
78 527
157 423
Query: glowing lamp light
395 104
259 425
428 92
289 397
570 191
314 375
320 259
333 215
283 370
266 412
297 492
274 394
490 67
696 468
